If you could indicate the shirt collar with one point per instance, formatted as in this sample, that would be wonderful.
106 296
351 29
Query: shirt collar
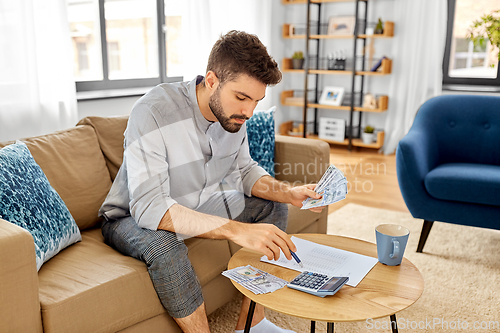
202 123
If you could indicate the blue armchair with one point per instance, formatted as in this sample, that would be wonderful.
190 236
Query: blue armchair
448 165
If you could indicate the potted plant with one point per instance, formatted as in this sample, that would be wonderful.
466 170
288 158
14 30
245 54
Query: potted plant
298 60
379 28
488 26
368 134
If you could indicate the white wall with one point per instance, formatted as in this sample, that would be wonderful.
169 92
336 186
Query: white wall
118 106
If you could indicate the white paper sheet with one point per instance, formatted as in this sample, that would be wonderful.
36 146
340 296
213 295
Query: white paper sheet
327 260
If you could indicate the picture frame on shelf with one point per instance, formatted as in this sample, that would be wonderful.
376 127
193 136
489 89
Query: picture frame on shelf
332 96
341 25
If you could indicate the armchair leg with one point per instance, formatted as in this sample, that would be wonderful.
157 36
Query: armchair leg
423 235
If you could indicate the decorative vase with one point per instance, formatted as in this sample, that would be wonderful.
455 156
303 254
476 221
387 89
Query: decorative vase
367 138
298 63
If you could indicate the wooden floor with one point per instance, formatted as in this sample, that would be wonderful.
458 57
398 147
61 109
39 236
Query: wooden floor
371 177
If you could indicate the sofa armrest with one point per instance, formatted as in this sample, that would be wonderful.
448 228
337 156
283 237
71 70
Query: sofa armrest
300 160
19 301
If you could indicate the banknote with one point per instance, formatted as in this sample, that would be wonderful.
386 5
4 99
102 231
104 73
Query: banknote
255 280
332 187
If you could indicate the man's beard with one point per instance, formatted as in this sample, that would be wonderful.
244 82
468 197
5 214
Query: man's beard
218 111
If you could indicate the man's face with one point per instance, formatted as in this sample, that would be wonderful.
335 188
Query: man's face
233 102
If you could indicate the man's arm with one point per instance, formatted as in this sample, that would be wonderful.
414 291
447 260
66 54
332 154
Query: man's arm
269 188
264 238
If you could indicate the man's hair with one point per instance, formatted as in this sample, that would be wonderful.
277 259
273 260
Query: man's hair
237 53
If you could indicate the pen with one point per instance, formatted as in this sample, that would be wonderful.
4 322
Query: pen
296 259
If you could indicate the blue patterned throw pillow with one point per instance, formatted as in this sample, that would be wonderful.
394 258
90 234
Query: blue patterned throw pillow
28 200
260 131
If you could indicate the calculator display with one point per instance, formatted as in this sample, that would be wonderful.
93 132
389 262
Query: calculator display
330 284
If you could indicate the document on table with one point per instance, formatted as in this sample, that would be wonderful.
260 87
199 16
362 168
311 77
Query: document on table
327 260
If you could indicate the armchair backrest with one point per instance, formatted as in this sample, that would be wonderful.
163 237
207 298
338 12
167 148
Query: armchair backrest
466 128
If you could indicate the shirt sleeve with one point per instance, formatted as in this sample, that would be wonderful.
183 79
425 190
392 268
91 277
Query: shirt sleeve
148 177
244 171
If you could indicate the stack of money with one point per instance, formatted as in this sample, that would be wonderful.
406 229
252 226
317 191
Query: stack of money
332 187
255 280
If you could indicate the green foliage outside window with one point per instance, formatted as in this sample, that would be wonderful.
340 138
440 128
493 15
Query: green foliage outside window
486 28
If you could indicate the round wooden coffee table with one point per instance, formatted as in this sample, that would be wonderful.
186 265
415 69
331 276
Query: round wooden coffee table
384 291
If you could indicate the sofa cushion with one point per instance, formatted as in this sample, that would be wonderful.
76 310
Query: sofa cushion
260 131
75 167
109 132
90 287
28 200
465 182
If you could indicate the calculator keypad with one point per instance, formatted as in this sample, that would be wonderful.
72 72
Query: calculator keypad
313 281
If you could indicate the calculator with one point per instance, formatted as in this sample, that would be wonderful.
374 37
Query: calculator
317 284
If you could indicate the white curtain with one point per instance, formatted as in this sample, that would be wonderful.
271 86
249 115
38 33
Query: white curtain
420 37
37 89
206 20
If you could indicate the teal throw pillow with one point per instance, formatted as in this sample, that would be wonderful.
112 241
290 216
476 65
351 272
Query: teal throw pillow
261 136
28 200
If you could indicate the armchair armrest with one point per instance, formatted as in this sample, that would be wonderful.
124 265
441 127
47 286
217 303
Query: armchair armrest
19 301
300 160
416 155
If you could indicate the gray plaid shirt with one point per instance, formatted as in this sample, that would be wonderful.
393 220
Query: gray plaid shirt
174 155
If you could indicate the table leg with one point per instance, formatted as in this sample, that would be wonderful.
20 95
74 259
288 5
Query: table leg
394 324
248 324
329 328
313 326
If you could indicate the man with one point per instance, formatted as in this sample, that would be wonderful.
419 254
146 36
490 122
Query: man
181 141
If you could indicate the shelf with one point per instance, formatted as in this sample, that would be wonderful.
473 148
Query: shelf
287 67
295 2
288 99
356 142
286 128
316 65
385 69
388 33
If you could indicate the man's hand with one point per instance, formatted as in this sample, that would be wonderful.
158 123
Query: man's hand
301 193
264 238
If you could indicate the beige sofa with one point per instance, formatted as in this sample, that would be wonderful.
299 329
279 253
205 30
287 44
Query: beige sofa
90 287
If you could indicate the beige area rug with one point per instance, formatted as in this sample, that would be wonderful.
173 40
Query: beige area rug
460 266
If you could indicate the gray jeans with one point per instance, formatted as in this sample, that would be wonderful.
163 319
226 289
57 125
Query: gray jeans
166 255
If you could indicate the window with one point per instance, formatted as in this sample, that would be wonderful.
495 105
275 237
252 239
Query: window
464 62
83 57
114 58
124 43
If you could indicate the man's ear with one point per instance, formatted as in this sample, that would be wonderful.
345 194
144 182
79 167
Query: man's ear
211 81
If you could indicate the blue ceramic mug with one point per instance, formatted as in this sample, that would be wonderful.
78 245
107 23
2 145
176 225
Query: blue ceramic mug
391 243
